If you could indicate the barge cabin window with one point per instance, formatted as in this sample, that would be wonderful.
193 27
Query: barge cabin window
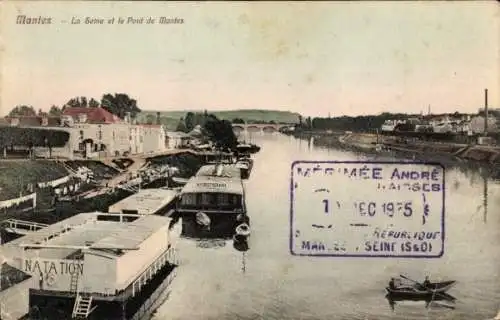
226 201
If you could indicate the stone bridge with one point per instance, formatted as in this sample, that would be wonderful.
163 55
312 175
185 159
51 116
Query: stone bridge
260 127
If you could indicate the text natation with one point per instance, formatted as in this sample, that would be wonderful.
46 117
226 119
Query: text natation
367 209
54 267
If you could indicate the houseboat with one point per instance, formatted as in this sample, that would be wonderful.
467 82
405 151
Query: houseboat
211 202
97 265
148 201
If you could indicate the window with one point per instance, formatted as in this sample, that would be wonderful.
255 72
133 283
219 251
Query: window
81 134
223 199
189 199
207 199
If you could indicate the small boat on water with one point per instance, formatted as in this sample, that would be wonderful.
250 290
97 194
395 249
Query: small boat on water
419 291
243 230
247 148
433 288
245 166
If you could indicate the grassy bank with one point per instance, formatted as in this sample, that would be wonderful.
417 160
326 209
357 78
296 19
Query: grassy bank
15 176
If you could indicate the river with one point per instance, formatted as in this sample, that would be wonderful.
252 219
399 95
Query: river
267 282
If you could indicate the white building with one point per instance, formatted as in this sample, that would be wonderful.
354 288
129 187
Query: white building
177 140
96 133
154 138
477 124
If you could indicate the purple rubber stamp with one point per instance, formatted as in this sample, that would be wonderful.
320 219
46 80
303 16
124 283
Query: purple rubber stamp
367 209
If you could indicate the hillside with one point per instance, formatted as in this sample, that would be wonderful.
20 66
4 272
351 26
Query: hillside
170 118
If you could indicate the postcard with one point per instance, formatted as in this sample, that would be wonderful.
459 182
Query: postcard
249 160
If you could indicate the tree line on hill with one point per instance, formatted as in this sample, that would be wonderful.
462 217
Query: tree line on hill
358 124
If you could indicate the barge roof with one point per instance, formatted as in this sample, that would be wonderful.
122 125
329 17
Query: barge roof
207 184
145 202
87 231
219 170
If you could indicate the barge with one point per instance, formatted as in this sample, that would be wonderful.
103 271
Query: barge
97 265
212 202
147 201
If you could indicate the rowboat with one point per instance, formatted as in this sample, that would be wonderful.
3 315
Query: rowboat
418 290
243 230
419 296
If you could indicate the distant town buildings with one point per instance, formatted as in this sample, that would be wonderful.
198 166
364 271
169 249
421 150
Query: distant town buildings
460 124
97 133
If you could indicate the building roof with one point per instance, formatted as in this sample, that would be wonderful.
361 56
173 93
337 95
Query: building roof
146 201
132 234
86 229
94 115
203 184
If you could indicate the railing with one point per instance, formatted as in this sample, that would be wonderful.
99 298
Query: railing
12 202
168 256
53 183
23 225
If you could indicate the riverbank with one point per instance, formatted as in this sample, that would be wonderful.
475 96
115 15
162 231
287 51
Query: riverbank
383 144
91 196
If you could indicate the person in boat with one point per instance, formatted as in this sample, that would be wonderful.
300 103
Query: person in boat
392 284
426 283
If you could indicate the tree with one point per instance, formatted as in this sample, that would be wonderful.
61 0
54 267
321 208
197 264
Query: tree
221 133
181 126
22 111
55 111
150 119
238 120
189 121
93 103
308 123
120 104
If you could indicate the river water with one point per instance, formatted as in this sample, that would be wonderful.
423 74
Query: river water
267 282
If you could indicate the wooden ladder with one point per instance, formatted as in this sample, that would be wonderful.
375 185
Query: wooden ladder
82 307
73 285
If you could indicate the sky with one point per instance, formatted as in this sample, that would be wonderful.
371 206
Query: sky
337 58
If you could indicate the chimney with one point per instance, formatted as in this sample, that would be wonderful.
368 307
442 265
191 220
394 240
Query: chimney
158 118
128 118
485 112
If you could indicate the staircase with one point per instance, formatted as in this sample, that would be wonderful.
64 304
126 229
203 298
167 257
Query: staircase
73 285
81 309
83 303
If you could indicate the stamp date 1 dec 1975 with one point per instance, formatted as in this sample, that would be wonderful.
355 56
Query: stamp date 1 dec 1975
367 209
